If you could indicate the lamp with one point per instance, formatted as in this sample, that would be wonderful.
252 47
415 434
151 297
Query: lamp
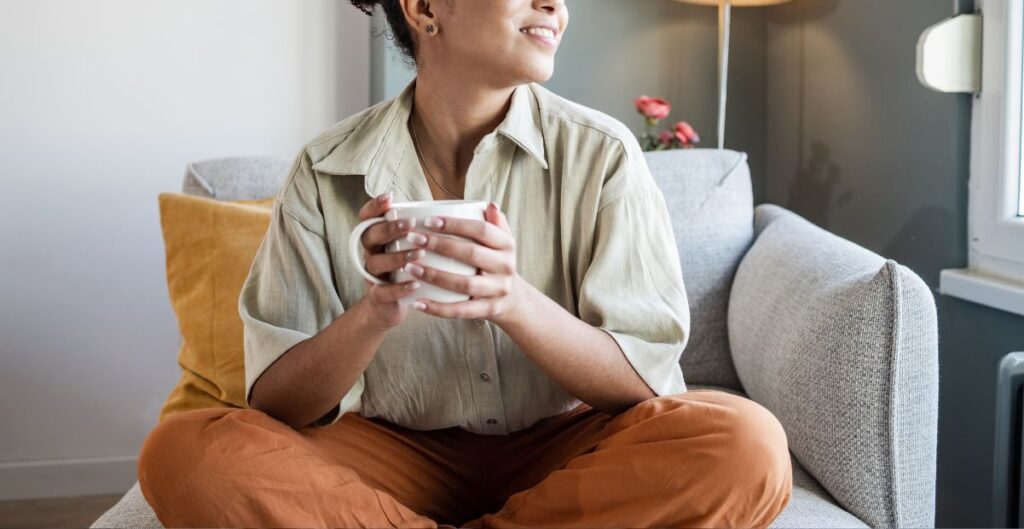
724 21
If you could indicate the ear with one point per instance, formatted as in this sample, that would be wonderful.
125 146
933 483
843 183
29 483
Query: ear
418 14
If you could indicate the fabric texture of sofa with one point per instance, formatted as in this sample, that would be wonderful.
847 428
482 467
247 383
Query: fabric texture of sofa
838 342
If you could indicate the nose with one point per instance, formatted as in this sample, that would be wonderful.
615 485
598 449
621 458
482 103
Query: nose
551 6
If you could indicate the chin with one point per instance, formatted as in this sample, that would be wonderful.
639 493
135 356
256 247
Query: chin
539 71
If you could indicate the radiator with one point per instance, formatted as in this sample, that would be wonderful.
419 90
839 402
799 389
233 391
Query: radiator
1007 487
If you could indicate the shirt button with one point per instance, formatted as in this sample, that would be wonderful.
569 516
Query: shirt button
492 421
485 377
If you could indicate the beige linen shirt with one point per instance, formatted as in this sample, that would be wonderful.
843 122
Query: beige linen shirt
592 233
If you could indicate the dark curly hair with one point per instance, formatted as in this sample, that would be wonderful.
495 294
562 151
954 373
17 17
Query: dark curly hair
400 33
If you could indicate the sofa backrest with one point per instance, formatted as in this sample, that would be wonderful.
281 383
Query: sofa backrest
238 178
711 204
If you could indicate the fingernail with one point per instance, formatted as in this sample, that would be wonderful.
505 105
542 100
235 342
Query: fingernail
416 238
414 285
419 305
402 224
384 196
414 255
414 269
433 222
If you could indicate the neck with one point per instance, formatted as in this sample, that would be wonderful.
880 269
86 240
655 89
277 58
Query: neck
451 117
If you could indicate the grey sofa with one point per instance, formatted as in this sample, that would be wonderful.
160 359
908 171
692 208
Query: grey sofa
838 342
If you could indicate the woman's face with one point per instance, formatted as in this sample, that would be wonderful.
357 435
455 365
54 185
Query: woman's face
499 42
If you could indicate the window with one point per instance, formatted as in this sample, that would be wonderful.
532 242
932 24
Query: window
1020 131
995 274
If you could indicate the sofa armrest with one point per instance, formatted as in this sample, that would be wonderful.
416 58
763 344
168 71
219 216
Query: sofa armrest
842 346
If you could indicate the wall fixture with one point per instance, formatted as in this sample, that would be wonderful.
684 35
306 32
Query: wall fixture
949 55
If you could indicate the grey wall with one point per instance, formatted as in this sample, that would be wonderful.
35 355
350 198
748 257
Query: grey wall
854 143
615 51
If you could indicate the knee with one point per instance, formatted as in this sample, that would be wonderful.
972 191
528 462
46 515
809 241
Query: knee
177 447
757 437
755 452
746 443
748 428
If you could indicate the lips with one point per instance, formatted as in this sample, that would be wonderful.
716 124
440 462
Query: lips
541 31
543 34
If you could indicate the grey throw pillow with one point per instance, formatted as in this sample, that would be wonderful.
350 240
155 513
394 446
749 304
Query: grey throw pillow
842 346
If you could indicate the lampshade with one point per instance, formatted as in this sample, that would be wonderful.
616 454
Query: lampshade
736 3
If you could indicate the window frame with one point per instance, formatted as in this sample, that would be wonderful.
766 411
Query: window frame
995 273
996 231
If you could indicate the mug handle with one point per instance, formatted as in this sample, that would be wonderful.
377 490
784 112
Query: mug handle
355 249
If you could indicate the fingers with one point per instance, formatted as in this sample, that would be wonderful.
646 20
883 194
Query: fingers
383 263
471 253
386 232
472 309
477 286
390 293
376 207
480 231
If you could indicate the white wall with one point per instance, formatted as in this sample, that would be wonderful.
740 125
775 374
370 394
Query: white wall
102 103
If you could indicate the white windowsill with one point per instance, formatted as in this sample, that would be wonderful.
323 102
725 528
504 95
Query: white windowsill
984 289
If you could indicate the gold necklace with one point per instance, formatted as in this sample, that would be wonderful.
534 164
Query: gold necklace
419 155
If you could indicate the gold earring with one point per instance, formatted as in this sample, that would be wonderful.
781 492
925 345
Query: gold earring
430 29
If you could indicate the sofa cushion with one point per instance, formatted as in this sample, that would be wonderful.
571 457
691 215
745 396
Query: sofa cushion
812 506
210 246
841 345
711 205
131 512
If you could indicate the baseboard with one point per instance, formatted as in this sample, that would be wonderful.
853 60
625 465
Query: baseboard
67 477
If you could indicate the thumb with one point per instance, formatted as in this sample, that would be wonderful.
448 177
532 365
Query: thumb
492 215
499 218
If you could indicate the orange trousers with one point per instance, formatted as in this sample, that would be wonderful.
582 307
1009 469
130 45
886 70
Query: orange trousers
703 458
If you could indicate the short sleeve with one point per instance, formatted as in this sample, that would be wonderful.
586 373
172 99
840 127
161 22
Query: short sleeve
633 287
289 295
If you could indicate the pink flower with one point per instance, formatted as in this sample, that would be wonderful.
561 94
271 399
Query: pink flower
653 108
685 134
665 138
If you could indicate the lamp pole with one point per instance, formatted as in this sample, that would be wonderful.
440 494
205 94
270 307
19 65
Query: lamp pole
724 23
724 30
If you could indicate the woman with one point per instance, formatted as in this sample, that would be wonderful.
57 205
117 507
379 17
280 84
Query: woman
552 398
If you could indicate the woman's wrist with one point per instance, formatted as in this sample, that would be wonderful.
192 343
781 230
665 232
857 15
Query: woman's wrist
516 311
367 321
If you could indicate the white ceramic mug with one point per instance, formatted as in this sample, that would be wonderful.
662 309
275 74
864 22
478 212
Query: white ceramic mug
463 209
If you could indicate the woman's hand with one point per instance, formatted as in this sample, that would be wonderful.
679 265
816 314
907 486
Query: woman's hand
494 292
382 300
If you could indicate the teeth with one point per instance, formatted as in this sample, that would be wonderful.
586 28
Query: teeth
542 32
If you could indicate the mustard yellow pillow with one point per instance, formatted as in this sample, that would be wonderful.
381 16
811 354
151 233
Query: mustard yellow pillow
210 246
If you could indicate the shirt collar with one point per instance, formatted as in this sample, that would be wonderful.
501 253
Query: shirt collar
376 145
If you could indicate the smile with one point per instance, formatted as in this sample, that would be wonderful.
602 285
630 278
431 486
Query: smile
541 34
